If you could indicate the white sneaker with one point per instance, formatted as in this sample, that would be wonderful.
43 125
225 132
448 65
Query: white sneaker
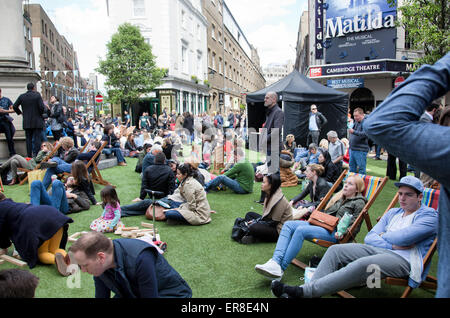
270 269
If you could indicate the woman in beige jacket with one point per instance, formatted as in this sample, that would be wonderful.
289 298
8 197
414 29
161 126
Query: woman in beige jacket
276 212
196 209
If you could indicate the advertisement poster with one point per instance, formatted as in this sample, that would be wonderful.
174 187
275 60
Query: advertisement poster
358 30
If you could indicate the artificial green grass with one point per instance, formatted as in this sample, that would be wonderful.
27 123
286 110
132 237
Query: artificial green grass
212 264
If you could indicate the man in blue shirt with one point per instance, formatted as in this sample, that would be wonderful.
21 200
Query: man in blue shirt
395 247
359 143
429 150
6 125
131 268
315 124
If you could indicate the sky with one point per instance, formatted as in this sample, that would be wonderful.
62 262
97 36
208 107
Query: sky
271 27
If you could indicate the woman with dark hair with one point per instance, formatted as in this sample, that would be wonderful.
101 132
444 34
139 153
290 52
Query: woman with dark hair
276 211
332 172
113 145
80 189
130 145
196 209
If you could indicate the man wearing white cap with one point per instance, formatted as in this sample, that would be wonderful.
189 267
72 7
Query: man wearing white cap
396 245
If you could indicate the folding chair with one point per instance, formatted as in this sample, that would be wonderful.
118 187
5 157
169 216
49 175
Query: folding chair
1 185
373 187
430 199
92 167
38 166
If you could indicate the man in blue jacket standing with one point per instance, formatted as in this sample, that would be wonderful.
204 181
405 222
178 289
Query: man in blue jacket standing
395 247
131 268
429 151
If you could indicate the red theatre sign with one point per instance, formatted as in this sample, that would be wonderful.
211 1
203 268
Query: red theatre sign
99 98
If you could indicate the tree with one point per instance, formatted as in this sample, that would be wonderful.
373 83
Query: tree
427 23
129 67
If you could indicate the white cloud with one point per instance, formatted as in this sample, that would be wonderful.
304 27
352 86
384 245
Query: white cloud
87 28
275 43
270 26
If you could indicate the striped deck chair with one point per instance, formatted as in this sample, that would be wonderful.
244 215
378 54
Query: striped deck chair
430 199
373 187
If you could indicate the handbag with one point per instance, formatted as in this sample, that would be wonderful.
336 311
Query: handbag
239 230
324 220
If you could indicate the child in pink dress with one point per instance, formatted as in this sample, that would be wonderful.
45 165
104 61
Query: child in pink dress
110 219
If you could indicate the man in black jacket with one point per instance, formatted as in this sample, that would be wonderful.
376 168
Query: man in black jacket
33 122
158 177
315 124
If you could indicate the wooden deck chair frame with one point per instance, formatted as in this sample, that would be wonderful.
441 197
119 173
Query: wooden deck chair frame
430 282
363 216
95 172
1 186
38 166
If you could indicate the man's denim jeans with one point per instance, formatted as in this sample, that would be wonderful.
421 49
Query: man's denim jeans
58 199
228 182
116 151
62 167
358 161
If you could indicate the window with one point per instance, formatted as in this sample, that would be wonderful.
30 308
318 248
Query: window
213 65
184 59
199 65
198 32
213 31
183 19
220 37
220 65
139 8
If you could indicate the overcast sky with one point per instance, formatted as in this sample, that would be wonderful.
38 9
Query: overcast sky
269 25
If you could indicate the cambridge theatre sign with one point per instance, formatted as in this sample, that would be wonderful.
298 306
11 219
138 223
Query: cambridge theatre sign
356 30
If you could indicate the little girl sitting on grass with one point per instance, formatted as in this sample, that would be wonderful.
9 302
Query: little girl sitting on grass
110 219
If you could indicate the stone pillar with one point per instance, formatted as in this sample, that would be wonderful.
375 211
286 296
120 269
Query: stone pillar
12 52
15 73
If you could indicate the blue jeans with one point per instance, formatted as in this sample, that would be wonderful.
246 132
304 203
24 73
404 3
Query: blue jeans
291 240
175 215
378 151
62 167
358 160
230 183
116 151
140 207
58 199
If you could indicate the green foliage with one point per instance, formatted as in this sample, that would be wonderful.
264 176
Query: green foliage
427 24
130 66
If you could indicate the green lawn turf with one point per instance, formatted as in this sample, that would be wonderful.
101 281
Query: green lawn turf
205 256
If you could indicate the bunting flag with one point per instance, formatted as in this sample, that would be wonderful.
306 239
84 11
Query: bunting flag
55 73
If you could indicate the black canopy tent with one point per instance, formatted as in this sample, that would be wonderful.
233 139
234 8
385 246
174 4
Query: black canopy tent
296 93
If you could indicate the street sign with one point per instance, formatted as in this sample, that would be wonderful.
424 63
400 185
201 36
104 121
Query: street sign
99 98
398 81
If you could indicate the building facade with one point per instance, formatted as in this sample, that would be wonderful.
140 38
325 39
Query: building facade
176 31
233 63
354 46
273 72
55 60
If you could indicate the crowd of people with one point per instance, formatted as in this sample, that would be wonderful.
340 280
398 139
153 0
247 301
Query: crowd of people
174 189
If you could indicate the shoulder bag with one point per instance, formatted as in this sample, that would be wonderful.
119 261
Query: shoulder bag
324 220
